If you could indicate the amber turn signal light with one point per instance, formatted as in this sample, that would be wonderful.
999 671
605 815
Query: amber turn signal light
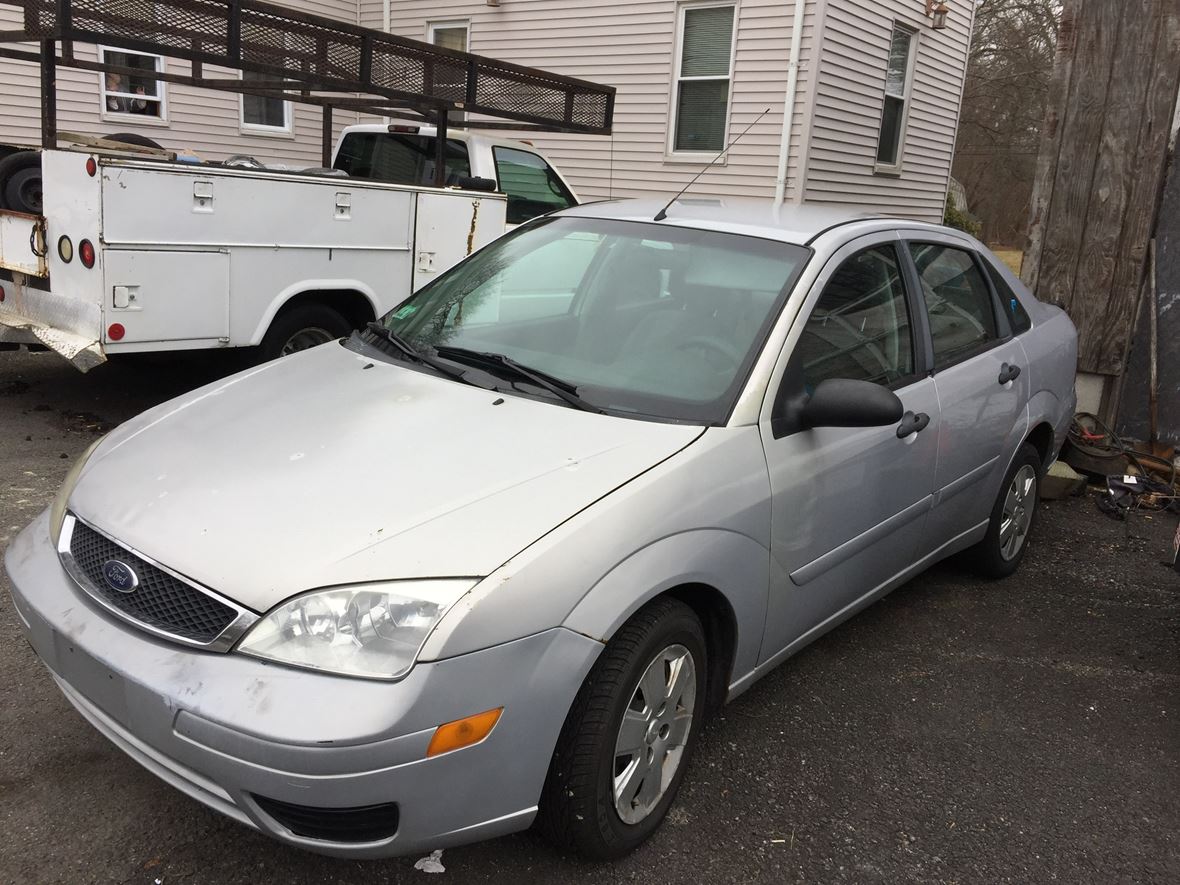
463 732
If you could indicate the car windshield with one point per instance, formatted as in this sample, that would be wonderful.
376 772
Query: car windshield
633 318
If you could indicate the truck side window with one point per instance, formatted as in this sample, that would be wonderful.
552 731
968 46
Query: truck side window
532 186
399 158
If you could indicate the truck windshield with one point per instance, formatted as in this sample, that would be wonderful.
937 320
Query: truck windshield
399 158
637 318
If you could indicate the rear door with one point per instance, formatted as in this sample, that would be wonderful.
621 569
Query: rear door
849 504
981 379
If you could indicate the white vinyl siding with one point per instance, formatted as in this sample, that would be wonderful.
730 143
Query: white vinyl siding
704 75
631 45
205 121
849 99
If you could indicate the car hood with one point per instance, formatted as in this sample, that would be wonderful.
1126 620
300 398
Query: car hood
330 468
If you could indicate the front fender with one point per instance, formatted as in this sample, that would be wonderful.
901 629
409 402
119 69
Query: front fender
733 564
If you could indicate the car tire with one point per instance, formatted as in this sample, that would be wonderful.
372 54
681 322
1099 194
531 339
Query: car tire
302 327
1000 552
663 646
20 182
135 139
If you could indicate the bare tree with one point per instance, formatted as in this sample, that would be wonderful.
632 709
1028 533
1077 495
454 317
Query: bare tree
1008 73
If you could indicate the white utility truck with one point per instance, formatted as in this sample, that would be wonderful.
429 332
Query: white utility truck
135 252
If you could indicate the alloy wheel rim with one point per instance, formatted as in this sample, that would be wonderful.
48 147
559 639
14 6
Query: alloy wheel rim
1018 510
656 724
305 338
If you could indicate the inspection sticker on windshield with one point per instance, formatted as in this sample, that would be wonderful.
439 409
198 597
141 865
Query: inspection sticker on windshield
407 311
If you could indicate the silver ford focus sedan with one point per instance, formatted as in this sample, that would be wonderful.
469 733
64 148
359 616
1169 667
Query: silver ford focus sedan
493 560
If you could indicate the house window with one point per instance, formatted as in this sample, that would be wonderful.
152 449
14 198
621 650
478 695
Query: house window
704 69
261 114
898 79
138 92
449 35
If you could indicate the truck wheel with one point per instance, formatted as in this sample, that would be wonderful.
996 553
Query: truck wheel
301 327
20 182
628 737
133 138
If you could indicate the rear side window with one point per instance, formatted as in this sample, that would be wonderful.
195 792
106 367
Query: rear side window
958 302
532 186
860 328
399 158
1017 315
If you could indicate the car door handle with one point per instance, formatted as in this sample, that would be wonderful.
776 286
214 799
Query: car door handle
1008 373
911 423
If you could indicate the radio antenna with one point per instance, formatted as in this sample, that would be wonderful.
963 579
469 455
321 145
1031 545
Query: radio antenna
663 213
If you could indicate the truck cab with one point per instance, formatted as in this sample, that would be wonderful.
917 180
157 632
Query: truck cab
405 154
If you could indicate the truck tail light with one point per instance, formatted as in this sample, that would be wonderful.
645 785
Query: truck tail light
86 253
116 331
91 167
65 248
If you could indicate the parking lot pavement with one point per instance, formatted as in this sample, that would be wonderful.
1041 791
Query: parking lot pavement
1026 730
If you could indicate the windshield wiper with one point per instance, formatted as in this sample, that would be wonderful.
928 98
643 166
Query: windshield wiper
563 390
382 332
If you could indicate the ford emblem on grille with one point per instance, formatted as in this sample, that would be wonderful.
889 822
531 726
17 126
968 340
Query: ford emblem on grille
120 576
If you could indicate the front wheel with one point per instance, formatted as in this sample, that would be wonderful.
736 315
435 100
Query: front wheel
301 327
1002 548
628 737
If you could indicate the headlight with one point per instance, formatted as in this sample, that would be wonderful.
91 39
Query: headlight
370 630
57 511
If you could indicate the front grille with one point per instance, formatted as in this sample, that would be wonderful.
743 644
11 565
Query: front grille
366 823
160 601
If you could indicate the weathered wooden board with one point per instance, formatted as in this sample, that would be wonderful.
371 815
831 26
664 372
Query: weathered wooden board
1101 169
1044 179
1108 352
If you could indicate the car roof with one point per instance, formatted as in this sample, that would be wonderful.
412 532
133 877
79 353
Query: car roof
790 222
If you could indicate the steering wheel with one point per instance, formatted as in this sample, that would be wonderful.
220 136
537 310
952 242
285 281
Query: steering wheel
713 345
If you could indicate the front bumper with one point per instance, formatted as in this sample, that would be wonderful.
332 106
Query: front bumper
225 727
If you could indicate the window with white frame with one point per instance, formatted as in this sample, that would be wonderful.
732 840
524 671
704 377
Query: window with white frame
134 90
262 113
451 35
899 77
704 71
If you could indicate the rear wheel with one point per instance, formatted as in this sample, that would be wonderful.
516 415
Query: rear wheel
20 182
628 737
301 327
1000 552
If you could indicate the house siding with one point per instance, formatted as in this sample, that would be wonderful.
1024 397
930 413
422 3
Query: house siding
846 108
630 45
204 121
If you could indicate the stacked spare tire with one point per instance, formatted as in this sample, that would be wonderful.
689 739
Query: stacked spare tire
20 175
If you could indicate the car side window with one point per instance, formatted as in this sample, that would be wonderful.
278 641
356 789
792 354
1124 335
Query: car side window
532 186
1017 315
860 328
958 301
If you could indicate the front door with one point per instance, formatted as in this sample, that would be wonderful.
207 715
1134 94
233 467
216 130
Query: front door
849 504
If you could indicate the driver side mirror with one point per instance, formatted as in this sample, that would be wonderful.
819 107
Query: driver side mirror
843 402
